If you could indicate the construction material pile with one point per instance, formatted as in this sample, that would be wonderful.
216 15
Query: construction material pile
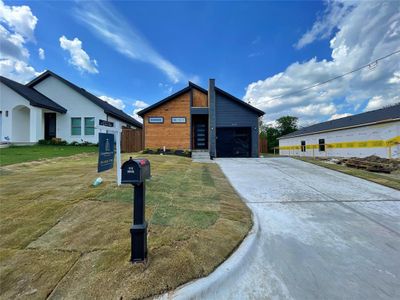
372 163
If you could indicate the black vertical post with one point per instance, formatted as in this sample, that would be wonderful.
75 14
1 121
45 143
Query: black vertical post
139 226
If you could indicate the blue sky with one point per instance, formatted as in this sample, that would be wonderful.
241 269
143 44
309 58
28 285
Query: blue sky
136 53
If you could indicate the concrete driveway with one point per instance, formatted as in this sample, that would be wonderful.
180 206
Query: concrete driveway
323 234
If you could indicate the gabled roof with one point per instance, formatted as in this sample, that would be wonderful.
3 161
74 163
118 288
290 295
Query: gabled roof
157 104
178 93
195 86
238 101
386 114
34 97
108 108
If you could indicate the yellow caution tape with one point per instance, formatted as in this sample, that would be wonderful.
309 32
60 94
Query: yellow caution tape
354 144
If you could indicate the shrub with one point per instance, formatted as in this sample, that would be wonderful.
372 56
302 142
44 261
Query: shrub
53 141
44 142
178 152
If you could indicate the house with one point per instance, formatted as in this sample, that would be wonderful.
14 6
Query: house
197 119
52 107
371 133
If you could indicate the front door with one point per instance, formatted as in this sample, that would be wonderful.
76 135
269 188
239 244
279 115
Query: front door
49 126
200 135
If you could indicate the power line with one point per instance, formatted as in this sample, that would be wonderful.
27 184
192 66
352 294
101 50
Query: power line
371 65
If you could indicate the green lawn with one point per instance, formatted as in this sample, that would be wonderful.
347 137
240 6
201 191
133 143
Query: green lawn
62 238
389 180
19 154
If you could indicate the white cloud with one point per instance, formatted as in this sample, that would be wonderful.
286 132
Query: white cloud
118 103
379 102
17 26
338 116
19 19
12 45
79 58
41 53
395 79
138 106
113 29
17 70
312 109
355 43
325 25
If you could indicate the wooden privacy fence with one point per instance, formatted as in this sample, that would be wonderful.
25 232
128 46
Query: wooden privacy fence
131 140
263 145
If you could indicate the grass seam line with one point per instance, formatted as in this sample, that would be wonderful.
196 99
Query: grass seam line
65 274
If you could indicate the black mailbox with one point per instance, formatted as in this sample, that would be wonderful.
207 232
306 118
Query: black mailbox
135 171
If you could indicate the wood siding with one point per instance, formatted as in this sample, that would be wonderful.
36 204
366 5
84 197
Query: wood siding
172 136
199 99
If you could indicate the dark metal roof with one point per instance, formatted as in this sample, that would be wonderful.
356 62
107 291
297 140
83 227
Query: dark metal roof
108 108
34 97
386 114
188 88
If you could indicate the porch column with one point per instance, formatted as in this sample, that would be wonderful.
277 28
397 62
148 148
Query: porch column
36 125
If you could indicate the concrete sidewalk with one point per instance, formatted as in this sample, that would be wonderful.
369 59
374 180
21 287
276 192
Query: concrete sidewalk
323 234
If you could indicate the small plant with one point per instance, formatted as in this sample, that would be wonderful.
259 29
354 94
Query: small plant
58 142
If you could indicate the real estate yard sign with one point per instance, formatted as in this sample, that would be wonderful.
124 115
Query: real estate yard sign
106 152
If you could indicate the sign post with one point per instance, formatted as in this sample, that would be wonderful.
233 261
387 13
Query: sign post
115 131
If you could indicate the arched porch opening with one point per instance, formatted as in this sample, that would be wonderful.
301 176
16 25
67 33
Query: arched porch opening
20 124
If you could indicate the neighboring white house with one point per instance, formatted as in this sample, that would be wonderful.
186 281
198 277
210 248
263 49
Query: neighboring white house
52 107
371 133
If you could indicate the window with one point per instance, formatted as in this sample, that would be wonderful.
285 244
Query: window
89 126
321 144
75 126
178 120
303 146
156 120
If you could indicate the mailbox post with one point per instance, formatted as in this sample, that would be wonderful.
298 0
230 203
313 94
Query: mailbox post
135 172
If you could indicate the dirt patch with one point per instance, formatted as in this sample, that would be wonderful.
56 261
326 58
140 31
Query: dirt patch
391 180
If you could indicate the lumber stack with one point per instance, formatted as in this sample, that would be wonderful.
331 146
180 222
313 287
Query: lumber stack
372 163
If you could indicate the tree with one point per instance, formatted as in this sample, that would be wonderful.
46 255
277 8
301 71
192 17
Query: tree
286 125
271 134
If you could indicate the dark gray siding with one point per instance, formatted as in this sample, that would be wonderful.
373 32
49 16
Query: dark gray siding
231 114
211 117
199 110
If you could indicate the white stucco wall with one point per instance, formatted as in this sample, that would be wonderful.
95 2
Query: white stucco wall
378 132
76 105
27 119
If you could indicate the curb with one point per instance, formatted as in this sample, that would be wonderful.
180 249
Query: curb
209 286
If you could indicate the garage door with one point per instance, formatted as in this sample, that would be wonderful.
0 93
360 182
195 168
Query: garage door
233 142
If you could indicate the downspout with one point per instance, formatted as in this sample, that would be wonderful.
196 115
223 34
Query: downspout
212 118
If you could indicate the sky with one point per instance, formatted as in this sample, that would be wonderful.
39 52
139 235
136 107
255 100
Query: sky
133 54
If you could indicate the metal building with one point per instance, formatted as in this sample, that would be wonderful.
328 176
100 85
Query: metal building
371 133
